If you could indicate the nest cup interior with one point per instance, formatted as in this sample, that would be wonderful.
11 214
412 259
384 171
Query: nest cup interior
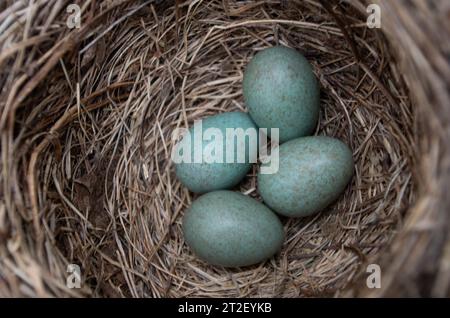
106 188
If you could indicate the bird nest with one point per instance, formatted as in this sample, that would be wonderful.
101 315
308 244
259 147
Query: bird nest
87 116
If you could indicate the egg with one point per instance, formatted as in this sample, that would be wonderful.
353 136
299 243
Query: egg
312 173
231 229
281 91
214 171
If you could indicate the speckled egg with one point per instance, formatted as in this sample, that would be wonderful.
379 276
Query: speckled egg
214 172
281 91
313 172
231 229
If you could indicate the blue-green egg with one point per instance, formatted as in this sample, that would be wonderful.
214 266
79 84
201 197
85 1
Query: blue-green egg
231 229
281 91
312 173
224 159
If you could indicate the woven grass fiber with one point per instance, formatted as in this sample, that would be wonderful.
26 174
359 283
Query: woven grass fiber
86 121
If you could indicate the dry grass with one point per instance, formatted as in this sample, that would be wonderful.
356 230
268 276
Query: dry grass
86 124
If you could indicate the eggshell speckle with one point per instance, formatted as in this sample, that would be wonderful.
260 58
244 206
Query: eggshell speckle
204 177
281 91
313 172
230 229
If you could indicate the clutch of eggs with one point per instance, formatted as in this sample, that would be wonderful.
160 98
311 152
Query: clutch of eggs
230 229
